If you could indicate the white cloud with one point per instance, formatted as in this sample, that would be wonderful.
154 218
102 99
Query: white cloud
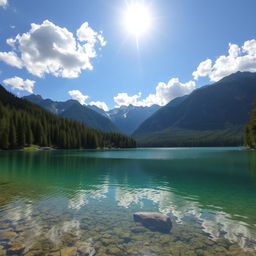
18 83
238 59
50 49
204 69
77 95
81 98
100 104
165 92
11 59
101 39
86 34
123 99
3 3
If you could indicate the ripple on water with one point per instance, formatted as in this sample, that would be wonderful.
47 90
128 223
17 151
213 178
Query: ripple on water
63 208
38 229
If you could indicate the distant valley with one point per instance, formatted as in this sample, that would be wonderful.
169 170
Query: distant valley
213 115
128 118
125 119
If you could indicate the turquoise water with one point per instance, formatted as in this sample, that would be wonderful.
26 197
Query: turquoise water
57 202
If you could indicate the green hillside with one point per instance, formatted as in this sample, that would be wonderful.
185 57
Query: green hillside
212 115
23 123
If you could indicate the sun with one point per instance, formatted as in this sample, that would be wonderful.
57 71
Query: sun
137 18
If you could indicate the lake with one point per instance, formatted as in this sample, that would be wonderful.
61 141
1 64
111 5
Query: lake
81 202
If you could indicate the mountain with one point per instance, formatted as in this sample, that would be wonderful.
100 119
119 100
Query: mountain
124 119
213 115
73 110
128 118
23 123
98 110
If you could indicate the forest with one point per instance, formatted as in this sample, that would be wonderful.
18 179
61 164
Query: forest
250 131
23 124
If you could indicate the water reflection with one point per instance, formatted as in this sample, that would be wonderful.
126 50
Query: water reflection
214 223
55 197
81 197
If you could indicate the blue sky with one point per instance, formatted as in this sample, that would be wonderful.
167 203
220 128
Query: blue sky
182 34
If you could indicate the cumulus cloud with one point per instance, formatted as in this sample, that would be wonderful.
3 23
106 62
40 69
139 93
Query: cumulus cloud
11 59
81 98
123 99
77 95
3 3
86 34
17 83
165 92
49 49
204 69
238 59
100 104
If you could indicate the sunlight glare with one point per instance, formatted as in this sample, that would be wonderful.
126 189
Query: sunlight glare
137 19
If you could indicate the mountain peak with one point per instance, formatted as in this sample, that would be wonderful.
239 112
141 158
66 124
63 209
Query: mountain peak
36 97
218 111
128 118
72 109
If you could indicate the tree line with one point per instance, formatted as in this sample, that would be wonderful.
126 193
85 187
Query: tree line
23 124
250 131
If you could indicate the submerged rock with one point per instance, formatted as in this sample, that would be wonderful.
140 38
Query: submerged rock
17 248
154 221
113 250
86 250
2 252
7 235
138 230
68 251
54 253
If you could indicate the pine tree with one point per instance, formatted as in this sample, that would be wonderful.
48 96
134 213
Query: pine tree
250 132
29 136
23 123
21 138
12 136
4 139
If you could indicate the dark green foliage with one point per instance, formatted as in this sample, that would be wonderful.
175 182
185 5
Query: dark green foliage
29 136
22 124
174 137
21 138
12 136
121 141
4 144
212 115
250 131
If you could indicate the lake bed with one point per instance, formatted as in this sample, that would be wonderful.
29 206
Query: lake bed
72 202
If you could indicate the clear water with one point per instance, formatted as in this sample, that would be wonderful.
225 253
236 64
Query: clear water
57 202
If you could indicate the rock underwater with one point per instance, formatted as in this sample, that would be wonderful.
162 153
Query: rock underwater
154 221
